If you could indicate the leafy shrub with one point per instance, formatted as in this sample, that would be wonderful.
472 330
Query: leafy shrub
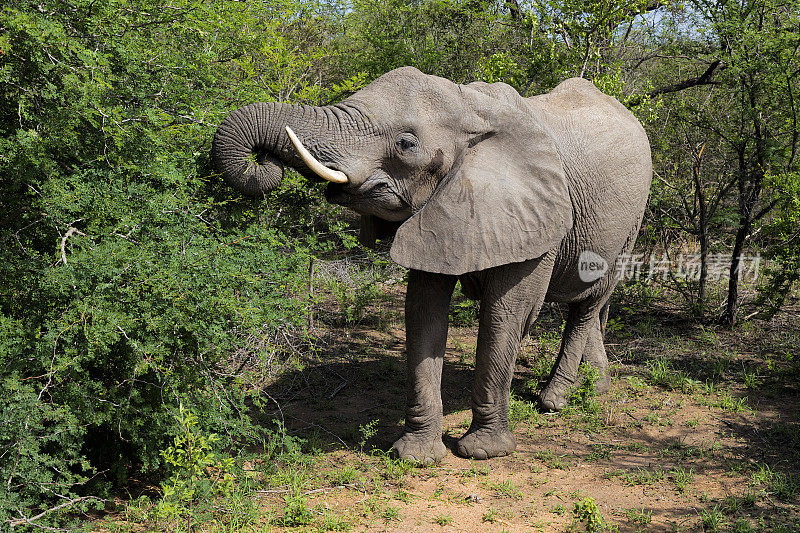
463 311
133 281
587 513
197 473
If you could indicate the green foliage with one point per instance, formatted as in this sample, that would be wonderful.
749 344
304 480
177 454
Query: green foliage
133 281
522 411
353 301
784 270
586 513
135 285
463 311
584 396
662 374
448 38
551 459
639 517
443 519
367 431
642 476
682 478
783 486
712 519
197 473
500 67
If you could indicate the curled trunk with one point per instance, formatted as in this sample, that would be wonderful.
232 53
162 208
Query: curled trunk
241 154
251 147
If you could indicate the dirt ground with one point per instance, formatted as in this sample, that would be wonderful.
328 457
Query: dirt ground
709 440
700 431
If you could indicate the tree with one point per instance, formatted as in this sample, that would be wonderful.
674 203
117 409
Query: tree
735 65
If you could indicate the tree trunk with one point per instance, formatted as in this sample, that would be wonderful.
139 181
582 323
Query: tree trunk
732 305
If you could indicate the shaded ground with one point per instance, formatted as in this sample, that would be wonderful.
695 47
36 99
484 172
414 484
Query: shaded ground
699 432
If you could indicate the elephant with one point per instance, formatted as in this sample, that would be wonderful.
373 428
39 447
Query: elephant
506 194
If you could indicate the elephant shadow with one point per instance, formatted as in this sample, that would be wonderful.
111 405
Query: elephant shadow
353 389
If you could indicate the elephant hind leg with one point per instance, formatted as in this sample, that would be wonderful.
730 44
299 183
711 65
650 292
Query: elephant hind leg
595 354
581 332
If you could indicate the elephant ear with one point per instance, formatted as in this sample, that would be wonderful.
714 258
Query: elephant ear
506 200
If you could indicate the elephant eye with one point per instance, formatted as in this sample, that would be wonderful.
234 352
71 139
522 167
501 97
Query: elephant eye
406 142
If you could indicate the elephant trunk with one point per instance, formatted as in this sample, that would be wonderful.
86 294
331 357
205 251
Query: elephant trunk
251 146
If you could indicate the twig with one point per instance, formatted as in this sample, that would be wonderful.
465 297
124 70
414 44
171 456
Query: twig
751 315
66 236
306 493
336 391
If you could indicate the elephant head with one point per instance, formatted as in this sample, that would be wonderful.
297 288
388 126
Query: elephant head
475 179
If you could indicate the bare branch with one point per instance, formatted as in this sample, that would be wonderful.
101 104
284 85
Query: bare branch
703 79
66 236
30 521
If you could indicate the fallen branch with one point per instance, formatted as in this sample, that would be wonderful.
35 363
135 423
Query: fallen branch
30 521
336 391
306 493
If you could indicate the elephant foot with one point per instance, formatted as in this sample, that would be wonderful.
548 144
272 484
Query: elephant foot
554 396
602 384
483 443
420 450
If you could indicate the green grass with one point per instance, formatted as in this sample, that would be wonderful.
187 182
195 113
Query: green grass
639 517
712 519
551 460
600 451
331 521
662 374
558 509
393 468
506 489
390 514
681 478
489 516
475 470
522 411
295 511
741 525
778 484
727 402
642 476
343 476
443 519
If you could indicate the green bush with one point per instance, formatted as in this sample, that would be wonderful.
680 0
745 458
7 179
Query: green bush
463 311
133 281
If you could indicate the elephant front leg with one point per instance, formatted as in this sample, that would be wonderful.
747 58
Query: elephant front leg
427 306
511 297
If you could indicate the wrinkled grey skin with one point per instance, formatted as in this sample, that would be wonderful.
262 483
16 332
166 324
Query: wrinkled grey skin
499 191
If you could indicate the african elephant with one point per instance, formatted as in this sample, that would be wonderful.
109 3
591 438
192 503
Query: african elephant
501 192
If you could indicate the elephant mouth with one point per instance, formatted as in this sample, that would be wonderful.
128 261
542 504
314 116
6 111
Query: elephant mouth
376 196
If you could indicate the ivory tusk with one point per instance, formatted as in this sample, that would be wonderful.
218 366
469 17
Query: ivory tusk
311 162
